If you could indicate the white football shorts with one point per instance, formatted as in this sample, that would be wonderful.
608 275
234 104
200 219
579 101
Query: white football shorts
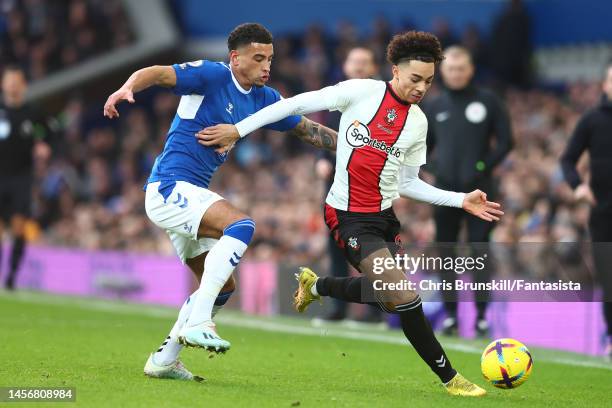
180 213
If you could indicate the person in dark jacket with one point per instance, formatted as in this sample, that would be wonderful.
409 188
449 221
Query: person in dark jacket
593 133
20 135
469 135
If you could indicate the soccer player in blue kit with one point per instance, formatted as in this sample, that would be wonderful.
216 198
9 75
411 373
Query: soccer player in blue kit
209 234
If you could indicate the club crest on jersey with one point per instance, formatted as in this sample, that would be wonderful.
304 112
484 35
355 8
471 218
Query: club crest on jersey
391 116
358 135
353 244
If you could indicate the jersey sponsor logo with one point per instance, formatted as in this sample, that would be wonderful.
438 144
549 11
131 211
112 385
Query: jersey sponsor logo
476 112
230 108
358 135
384 129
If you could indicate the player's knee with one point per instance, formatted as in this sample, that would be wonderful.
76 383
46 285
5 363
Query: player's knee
241 230
404 297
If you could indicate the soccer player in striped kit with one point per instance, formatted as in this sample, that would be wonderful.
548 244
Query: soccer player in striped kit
380 147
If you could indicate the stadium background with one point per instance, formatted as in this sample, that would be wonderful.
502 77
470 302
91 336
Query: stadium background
88 197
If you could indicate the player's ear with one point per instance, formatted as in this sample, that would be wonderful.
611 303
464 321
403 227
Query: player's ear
395 71
233 57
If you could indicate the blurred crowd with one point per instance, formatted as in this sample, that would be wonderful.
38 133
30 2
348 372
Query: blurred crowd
89 194
47 36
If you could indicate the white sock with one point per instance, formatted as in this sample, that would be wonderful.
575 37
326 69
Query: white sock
218 266
169 350
313 289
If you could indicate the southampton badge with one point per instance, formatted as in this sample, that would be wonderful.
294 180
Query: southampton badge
391 116
353 244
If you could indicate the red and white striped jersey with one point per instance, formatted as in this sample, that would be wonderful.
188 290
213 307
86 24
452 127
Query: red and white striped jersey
378 134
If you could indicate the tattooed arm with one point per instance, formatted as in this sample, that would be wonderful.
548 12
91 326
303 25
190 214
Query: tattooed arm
337 97
315 134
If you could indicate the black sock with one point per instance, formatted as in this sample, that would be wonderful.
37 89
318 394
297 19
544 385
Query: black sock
418 331
352 289
607 307
481 307
16 257
451 309
347 289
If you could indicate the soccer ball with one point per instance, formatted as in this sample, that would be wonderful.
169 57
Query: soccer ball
506 363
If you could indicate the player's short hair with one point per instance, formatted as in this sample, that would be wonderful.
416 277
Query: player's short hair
248 33
414 45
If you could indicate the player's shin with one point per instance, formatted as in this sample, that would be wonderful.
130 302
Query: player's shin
346 289
418 331
168 351
218 267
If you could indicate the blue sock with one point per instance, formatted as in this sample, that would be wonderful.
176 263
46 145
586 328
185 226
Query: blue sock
220 301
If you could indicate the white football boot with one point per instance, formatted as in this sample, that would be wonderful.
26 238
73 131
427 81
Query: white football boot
203 336
176 371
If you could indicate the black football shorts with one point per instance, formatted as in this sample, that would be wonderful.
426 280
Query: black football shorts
361 234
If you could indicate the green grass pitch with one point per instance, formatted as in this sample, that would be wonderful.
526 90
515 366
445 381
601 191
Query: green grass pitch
100 348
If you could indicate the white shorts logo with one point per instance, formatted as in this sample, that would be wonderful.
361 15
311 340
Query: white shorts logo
476 112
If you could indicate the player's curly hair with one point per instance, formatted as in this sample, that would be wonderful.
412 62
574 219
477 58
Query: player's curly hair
414 45
248 33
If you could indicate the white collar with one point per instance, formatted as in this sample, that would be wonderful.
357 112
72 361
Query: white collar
238 86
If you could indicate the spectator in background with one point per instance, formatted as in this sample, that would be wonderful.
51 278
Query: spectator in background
463 121
510 53
46 36
19 131
359 64
593 134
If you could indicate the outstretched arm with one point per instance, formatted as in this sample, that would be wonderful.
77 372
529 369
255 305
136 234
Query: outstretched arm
139 80
475 203
329 98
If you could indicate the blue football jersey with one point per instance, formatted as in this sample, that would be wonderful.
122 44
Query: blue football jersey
211 95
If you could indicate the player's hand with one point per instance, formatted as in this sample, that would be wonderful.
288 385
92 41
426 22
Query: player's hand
584 193
110 111
476 204
223 136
